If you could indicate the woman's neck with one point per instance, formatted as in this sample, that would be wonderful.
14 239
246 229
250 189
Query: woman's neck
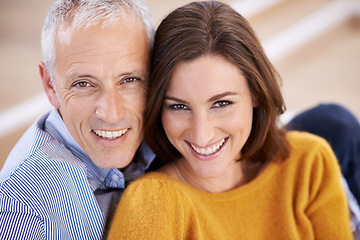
243 172
221 183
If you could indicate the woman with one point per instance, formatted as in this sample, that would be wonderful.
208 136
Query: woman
230 171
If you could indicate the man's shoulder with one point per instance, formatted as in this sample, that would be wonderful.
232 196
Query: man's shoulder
39 165
37 151
44 180
35 156
47 163
33 138
51 185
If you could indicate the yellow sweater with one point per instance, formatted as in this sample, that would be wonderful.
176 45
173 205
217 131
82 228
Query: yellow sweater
299 198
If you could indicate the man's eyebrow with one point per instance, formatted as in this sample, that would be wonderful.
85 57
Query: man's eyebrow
77 75
121 75
131 73
84 76
221 95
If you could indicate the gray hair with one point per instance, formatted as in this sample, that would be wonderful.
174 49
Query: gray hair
85 13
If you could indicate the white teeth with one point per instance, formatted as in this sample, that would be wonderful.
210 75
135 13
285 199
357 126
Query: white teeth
110 134
210 150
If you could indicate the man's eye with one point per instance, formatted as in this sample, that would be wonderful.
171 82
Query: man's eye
130 80
178 107
220 104
82 84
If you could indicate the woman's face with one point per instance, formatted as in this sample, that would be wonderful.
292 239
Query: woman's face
207 114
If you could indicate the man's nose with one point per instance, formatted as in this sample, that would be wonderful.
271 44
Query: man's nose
110 106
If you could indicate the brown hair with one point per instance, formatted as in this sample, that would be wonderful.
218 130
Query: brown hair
211 27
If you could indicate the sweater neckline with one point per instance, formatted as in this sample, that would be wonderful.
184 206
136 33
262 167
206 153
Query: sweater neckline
242 190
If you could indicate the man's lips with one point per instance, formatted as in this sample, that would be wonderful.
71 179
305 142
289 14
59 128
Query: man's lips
110 134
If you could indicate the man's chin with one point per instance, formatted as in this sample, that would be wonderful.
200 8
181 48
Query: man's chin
109 162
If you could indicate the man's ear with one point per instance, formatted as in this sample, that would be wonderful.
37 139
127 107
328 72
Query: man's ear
48 86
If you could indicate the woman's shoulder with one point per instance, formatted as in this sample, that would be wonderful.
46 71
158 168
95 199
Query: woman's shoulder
151 192
153 179
309 149
145 207
304 141
297 137
152 183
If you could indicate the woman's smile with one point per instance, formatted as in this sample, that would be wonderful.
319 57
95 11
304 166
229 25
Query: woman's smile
212 150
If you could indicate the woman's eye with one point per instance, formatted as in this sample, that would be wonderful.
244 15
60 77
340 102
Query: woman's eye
178 107
220 104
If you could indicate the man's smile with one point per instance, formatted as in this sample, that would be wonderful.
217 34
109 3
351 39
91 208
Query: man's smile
110 134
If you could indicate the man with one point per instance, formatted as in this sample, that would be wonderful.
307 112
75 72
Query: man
66 174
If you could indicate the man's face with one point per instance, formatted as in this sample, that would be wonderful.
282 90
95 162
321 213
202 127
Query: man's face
100 78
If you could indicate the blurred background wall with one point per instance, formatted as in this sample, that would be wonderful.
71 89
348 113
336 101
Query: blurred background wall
314 44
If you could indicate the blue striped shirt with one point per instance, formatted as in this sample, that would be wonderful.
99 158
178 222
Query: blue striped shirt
50 189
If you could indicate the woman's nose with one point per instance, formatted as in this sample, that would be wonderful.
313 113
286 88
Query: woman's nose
202 129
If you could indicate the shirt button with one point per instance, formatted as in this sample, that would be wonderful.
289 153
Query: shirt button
115 177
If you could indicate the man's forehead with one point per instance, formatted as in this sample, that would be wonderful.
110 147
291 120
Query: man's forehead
69 28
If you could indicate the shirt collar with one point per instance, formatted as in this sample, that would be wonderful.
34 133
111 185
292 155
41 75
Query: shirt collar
142 160
99 178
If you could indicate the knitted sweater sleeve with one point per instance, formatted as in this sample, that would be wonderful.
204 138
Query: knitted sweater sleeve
149 209
327 208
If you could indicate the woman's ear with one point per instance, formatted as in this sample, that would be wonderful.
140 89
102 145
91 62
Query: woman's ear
48 86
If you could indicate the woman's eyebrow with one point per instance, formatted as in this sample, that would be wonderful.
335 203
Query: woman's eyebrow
174 99
213 98
221 95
